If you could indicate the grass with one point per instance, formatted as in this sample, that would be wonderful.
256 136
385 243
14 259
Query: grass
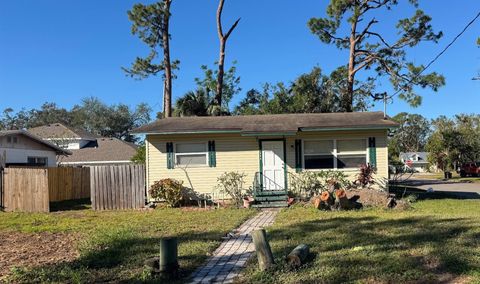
435 241
114 244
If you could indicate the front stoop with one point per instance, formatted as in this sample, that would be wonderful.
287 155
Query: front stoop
270 199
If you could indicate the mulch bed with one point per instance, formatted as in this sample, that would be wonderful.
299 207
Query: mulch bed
36 249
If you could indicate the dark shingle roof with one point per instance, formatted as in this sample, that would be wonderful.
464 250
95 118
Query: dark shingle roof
54 147
103 150
58 130
269 123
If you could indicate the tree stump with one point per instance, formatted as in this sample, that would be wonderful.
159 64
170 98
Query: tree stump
298 256
262 247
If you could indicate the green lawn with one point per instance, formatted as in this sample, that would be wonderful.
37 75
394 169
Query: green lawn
114 245
435 241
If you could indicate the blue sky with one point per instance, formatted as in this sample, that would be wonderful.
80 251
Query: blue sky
63 51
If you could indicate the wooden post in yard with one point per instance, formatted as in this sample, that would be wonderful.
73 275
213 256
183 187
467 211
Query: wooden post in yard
168 261
262 247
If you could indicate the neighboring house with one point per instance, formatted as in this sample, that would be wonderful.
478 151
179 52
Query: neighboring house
22 148
64 136
87 149
273 148
416 161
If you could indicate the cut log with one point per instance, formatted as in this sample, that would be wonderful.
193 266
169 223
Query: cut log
342 202
317 203
262 247
354 198
327 197
298 256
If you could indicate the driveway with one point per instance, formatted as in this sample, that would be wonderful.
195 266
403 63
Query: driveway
455 188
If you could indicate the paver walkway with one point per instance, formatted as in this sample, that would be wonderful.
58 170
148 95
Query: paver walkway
232 254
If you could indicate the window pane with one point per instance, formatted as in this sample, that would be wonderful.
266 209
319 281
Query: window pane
351 161
351 145
319 162
191 148
314 147
200 159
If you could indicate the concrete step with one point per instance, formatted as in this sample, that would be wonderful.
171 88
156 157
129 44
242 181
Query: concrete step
270 204
271 198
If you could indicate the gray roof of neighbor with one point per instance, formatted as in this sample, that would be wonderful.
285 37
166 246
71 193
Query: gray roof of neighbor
54 147
269 123
103 150
58 130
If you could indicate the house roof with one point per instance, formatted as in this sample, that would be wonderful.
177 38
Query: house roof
35 138
275 123
58 130
422 156
102 150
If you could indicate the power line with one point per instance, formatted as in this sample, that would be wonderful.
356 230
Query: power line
440 54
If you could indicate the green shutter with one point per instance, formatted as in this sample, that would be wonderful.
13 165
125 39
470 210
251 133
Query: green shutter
170 156
298 155
372 151
212 156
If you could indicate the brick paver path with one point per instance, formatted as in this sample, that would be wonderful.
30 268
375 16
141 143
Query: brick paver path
232 254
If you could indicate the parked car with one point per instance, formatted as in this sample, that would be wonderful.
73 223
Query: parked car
470 169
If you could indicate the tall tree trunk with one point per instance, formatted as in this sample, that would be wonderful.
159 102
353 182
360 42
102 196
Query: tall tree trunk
347 99
221 60
167 93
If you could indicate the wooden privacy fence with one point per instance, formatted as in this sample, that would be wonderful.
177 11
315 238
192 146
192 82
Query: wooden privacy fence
117 187
25 190
68 183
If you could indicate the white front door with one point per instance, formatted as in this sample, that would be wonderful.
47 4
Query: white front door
273 165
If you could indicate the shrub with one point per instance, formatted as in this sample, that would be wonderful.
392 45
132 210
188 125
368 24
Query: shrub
308 184
365 177
231 183
169 190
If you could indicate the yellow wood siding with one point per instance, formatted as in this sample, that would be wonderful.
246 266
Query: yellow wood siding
239 153
234 153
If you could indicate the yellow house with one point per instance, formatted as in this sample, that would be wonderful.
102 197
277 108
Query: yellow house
269 149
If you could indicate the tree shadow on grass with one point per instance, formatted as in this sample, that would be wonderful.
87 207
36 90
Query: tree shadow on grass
119 258
71 205
411 249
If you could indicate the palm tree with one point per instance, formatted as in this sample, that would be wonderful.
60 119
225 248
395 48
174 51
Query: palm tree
193 103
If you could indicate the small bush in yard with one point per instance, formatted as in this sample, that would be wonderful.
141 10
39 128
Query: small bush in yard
365 177
231 183
169 190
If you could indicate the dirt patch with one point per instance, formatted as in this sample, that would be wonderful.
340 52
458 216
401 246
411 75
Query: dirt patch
29 250
375 198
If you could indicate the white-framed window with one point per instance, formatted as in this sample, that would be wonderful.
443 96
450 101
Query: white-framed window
351 153
191 154
334 154
318 154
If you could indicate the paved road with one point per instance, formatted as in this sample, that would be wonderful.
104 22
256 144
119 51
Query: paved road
459 189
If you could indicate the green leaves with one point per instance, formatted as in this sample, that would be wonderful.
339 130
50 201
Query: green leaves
148 23
374 53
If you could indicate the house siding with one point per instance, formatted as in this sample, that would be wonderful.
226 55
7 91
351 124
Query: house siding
241 153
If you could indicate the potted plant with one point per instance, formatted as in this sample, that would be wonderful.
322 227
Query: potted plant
247 201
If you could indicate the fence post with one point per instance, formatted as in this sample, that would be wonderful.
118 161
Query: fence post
168 255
